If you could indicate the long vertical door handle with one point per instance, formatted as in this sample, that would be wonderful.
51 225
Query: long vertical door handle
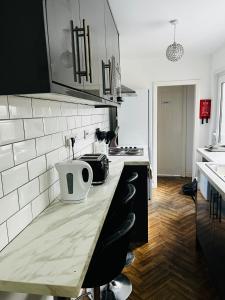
110 77
73 50
103 78
85 51
78 53
89 53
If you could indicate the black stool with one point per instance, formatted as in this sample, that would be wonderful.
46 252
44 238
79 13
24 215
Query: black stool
121 205
108 261
130 179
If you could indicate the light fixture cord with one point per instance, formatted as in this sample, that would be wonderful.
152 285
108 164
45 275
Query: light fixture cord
174 33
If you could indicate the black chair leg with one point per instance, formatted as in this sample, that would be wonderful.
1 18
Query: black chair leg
97 293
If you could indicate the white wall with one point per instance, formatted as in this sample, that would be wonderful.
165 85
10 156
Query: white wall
133 120
141 73
217 68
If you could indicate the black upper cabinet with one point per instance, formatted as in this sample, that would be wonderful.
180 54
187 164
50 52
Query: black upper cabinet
57 46
23 56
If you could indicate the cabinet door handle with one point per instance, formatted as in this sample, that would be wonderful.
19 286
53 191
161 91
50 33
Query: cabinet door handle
106 91
85 51
73 50
89 53
81 33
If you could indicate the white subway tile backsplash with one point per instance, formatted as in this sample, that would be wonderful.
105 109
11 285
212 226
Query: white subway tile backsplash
37 128
6 157
8 206
86 120
4 112
54 108
3 236
24 151
78 121
11 131
69 109
54 191
19 221
41 108
1 191
19 107
57 140
71 122
47 179
51 125
14 178
63 124
52 158
44 144
33 128
40 203
37 166
28 192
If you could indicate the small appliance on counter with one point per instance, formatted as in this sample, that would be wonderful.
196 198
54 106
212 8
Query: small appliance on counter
99 164
124 151
75 178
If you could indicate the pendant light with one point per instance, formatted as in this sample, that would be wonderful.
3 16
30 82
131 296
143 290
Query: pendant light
174 51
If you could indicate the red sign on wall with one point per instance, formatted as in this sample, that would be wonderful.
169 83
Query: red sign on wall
205 109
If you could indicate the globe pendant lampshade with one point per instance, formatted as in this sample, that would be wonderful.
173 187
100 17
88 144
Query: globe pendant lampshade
174 51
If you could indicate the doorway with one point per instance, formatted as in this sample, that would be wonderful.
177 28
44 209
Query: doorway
175 127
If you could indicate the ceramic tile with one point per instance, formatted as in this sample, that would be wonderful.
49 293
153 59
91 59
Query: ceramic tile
4 112
40 203
28 192
14 178
37 166
6 157
8 206
19 221
11 131
47 179
33 128
44 144
3 236
19 107
24 151
40 108
51 125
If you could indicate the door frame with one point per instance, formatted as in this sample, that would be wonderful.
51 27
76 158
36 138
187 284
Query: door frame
196 83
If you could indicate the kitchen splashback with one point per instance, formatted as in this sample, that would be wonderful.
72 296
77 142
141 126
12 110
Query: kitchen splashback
32 140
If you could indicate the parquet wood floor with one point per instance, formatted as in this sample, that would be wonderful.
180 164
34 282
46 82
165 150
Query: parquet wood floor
168 266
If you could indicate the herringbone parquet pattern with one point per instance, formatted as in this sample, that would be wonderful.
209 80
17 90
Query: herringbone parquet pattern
169 267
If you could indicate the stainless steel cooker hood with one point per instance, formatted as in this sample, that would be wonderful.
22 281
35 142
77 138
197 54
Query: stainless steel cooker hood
127 92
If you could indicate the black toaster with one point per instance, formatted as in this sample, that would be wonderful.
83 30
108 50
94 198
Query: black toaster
100 166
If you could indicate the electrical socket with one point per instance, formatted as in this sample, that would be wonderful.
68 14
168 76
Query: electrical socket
86 133
67 140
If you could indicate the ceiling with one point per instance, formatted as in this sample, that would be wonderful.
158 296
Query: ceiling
145 30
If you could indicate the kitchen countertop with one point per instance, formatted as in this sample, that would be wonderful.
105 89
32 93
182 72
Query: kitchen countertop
51 256
215 180
217 157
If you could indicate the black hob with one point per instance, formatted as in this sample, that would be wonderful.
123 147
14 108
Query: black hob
122 151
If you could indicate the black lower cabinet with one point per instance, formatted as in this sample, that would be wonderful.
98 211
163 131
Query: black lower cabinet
211 236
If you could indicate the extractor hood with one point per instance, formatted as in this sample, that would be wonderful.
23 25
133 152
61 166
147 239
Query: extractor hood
127 92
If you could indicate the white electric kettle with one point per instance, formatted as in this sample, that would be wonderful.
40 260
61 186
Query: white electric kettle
75 177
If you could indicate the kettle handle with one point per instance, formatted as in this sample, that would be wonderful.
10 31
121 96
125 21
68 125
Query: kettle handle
90 174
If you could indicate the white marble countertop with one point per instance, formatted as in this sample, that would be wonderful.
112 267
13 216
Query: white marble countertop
217 157
215 180
51 256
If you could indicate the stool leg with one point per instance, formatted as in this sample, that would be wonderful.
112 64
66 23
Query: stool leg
97 293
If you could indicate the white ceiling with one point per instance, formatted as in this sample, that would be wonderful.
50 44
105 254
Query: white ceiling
144 27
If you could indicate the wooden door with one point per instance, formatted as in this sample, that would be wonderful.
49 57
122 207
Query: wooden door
171 131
